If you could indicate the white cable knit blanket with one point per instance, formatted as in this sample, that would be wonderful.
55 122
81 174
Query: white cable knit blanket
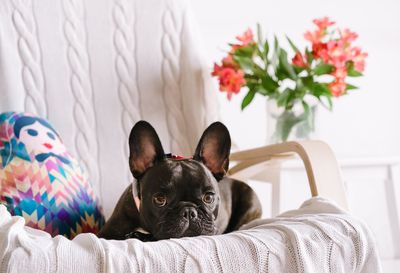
318 237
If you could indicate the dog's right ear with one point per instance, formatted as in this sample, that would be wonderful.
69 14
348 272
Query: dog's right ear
214 148
145 148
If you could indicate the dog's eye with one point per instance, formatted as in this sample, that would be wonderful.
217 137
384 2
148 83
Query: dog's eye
208 198
159 200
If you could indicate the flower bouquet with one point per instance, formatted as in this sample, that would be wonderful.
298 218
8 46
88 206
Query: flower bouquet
320 71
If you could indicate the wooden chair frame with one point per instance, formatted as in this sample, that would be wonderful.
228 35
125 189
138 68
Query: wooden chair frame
320 163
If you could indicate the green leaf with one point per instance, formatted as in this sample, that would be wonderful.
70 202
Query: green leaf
307 123
276 43
258 71
245 63
353 73
350 87
305 106
295 49
309 55
275 55
286 67
307 81
319 89
286 98
246 51
260 53
329 101
266 49
323 68
259 34
291 100
281 73
261 90
299 92
248 98
269 84
297 69
283 97
284 125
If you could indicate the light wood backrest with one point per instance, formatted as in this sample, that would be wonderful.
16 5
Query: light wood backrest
320 163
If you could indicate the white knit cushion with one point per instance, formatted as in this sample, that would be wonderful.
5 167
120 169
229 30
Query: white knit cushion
318 237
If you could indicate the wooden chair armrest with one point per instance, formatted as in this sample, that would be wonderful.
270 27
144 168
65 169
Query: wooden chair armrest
322 169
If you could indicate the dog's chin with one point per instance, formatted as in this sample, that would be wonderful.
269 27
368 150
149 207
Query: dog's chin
183 228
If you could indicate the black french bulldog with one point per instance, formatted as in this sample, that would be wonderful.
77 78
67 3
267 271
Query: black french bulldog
175 198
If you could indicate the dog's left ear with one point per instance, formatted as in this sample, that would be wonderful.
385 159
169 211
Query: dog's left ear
214 148
145 148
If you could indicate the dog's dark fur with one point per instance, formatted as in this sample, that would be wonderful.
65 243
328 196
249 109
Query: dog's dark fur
199 199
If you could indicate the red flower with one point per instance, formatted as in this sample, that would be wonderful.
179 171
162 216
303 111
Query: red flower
337 88
323 23
340 73
299 60
231 77
320 51
358 58
347 36
229 62
314 37
246 38
217 70
230 80
337 53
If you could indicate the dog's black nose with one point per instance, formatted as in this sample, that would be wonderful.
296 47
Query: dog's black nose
189 213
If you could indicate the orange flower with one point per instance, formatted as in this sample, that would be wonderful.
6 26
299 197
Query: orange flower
340 73
358 58
348 36
246 38
229 62
323 23
314 37
337 53
217 70
230 80
225 63
320 51
299 60
337 88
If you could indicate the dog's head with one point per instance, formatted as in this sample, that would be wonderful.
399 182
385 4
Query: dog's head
178 197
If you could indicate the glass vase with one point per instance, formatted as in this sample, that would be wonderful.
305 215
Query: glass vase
290 124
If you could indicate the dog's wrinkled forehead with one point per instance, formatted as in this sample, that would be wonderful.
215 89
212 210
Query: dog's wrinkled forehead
173 173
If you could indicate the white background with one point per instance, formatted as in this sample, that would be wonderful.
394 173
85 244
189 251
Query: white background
364 123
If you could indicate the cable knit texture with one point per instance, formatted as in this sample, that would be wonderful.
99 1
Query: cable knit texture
126 67
80 84
171 50
29 51
318 237
106 65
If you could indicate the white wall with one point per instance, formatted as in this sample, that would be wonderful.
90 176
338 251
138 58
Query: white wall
366 122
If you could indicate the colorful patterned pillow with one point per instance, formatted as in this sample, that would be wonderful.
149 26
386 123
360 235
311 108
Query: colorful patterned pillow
41 181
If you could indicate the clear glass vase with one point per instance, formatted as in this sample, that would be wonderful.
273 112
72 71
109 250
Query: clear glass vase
293 124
